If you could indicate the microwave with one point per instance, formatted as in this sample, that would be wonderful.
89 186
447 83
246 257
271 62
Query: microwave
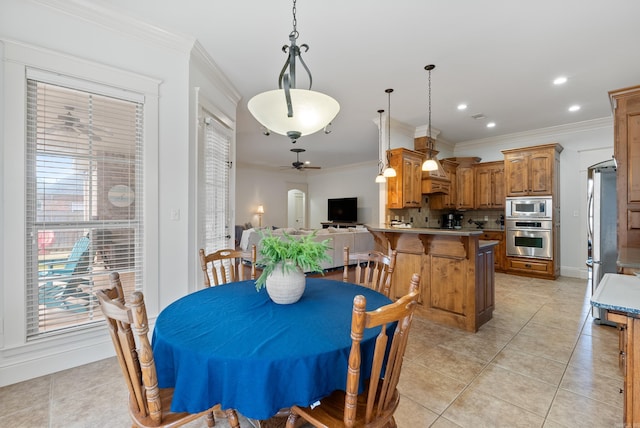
529 207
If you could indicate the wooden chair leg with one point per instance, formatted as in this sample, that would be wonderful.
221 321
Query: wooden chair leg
211 421
232 418
291 420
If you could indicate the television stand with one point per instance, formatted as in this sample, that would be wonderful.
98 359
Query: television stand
339 224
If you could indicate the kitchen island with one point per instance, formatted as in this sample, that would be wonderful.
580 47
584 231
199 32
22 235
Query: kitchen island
619 295
456 268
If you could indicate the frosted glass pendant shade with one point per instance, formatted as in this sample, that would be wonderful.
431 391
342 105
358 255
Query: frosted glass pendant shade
380 179
389 172
429 165
312 111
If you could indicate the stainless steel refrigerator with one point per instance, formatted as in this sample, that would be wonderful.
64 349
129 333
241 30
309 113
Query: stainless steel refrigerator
602 226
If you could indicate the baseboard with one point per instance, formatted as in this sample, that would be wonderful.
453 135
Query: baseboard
24 369
574 272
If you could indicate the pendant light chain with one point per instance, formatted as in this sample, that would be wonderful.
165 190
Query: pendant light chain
389 171
380 146
431 163
388 91
429 136
295 20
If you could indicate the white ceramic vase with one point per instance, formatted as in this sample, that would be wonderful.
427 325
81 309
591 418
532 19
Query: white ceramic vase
285 287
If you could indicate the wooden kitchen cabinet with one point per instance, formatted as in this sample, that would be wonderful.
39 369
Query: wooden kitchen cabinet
489 180
499 251
532 171
446 201
465 188
465 182
404 190
626 112
531 267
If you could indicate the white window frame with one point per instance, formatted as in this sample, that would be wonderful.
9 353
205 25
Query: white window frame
208 112
14 349
68 298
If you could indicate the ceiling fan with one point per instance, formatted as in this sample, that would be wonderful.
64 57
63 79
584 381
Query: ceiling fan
69 123
300 166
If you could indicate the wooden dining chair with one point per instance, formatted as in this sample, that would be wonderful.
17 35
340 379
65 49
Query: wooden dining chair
149 406
375 406
226 266
373 269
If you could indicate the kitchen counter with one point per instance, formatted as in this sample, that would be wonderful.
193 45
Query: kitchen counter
620 296
620 293
426 231
456 269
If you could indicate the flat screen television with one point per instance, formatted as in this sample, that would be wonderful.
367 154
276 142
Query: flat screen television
343 210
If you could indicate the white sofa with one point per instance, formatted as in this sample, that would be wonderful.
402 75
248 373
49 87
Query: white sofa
358 239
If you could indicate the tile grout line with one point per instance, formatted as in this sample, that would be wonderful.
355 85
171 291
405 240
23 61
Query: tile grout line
485 367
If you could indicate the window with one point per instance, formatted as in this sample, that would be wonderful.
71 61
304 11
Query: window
214 169
84 175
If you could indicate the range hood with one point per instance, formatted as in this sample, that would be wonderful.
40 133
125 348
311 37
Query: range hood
436 181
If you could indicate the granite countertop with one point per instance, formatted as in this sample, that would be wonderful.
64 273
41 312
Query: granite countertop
619 293
426 231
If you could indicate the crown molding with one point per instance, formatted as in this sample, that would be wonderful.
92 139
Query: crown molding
551 133
131 27
199 54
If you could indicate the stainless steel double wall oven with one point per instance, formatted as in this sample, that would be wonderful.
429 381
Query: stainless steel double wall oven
529 227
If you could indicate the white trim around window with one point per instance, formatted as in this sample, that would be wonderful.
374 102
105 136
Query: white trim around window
17 357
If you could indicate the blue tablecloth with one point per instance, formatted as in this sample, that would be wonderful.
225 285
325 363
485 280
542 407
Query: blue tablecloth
232 345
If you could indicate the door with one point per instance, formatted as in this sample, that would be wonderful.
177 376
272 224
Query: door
295 212
297 200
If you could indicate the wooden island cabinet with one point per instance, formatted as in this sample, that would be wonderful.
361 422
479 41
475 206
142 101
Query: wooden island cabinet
617 295
456 268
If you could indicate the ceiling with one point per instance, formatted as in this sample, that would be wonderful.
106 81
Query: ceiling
498 56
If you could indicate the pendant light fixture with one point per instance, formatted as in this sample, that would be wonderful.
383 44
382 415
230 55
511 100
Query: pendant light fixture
388 171
380 177
430 164
290 111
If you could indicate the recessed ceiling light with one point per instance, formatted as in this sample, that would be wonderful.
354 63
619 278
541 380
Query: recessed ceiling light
491 125
560 80
574 108
462 106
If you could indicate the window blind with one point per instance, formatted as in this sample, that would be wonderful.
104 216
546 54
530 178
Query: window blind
84 192
214 169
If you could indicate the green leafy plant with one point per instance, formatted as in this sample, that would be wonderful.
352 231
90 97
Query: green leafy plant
303 251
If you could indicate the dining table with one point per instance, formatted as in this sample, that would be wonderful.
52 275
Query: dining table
231 345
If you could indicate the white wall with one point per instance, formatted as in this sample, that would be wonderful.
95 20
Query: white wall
259 186
100 41
345 182
268 187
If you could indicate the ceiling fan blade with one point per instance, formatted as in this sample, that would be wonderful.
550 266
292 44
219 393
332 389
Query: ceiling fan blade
311 167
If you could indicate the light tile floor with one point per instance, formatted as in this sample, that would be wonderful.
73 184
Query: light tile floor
540 362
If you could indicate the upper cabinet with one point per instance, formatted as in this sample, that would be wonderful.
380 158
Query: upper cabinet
626 106
465 182
531 171
404 190
490 192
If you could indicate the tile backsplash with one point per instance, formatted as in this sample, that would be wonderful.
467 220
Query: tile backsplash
427 218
